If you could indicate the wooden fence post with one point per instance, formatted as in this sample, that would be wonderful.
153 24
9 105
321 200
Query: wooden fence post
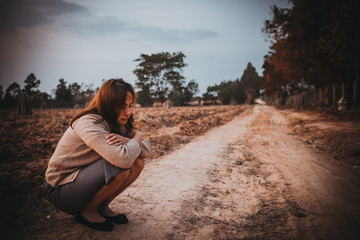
326 103
355 86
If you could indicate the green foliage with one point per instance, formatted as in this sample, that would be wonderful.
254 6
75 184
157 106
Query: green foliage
250 83
156 73
207 96
229 93
211 93
180 95
248 88
143 97
222 92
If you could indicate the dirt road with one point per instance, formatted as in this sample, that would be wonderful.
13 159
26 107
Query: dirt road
249 178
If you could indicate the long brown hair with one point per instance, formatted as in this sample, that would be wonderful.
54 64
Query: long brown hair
108 102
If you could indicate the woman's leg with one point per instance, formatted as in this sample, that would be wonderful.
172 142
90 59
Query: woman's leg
107 193
135 171
90 211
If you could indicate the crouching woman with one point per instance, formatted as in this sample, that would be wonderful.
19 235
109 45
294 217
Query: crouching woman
97 158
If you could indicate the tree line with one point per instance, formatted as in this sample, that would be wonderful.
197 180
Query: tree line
315 44
242 90
66 95
159 79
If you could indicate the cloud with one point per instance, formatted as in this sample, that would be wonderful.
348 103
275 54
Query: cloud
170 35
28 14
25 13
103 26
93 26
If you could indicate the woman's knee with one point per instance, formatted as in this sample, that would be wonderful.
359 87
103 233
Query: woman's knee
121 176
139 164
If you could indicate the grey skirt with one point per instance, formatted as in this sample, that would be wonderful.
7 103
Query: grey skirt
74 196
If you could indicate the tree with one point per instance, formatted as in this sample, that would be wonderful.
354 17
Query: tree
31 82
11 95
156 72
26 98
315 43
341 43
207 96
222 92
226 92
180 95
74 89
143 97
29 95
250 83
191 89
76 94
89 92
240 90
63 94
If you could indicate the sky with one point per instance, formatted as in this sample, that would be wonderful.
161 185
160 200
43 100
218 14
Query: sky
86 41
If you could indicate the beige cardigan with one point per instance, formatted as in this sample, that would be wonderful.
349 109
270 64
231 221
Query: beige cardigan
84 144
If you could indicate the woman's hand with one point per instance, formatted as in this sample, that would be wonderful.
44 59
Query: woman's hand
138 137
116 139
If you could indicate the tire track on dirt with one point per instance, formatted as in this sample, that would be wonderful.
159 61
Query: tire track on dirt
328 193
291 192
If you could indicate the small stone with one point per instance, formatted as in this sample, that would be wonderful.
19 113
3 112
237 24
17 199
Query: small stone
239 162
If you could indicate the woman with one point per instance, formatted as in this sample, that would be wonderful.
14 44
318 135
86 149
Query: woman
98 157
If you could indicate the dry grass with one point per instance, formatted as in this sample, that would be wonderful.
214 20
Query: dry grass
27 144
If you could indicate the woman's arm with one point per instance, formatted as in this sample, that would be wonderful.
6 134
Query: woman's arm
144 145
145 149
94 135
118 140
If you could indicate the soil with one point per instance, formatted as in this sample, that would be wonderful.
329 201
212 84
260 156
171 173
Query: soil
265 174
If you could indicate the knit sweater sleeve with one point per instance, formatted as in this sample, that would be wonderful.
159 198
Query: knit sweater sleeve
145 149
93 134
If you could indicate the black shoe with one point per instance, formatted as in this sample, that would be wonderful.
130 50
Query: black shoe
101 226
118 219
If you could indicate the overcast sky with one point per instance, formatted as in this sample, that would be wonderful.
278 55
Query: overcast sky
86 41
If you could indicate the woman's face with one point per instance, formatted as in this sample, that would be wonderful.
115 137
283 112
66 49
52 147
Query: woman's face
125 113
